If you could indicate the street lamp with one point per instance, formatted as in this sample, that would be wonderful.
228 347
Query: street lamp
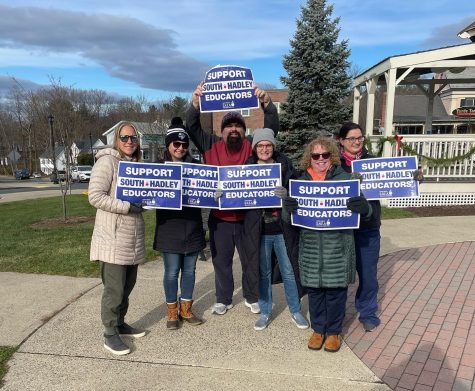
54 174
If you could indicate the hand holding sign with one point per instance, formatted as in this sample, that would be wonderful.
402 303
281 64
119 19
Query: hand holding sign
418 175
358 205
217 194
262 95
135 207
195 97
280 192
290 203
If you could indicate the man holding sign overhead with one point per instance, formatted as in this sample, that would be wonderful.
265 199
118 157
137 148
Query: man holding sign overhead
225 226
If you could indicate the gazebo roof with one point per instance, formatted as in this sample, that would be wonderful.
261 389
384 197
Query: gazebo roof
412 66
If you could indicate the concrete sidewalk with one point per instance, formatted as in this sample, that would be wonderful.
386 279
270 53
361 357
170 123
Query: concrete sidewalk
56 321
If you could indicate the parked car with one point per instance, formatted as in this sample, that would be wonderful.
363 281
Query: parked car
35 175
22 174
81 173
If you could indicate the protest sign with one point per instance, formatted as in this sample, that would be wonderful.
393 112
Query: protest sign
387 177
322 205
158 186
199 183
252 186
228 87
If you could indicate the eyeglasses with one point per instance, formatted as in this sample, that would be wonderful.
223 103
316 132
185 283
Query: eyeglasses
324 155
264 146
178 144
124 138
355 139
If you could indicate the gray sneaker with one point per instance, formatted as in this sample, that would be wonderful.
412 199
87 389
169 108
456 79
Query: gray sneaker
128 331
115 345
300 320
255 309
262 322
220 308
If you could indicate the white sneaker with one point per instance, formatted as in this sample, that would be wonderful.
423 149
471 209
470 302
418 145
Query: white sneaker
255 309
220 308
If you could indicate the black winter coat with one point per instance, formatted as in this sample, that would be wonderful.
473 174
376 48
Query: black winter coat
252 229
179 231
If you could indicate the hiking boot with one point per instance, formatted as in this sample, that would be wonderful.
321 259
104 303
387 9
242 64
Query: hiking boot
262 322
172 314
300 320
126 330
186 314
316 341
333 343
255 309
115 345
220 308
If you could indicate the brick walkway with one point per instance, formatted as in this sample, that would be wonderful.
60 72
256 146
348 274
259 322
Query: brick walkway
426 340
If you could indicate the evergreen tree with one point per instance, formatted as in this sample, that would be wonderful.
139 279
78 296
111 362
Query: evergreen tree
318 82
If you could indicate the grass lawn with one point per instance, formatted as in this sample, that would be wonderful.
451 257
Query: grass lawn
395 213
36 239
5 353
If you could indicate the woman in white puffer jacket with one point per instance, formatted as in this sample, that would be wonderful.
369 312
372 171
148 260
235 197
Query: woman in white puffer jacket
118 240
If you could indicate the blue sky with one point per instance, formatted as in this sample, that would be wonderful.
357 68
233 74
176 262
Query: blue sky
161 48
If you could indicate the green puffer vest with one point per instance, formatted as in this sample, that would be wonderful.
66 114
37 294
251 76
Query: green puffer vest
327 258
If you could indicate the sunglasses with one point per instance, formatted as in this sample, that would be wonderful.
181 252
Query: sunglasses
178 144
126 138
324 155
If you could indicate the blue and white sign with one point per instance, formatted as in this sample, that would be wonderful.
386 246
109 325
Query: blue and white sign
387 177
199 184
158 186
322 205
247 187
228 87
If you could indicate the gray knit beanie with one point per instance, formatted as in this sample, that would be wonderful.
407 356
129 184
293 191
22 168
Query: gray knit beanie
264 134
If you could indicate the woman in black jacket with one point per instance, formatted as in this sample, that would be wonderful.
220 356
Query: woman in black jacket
179 235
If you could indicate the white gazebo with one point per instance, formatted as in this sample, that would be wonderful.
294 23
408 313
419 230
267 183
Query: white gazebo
430 71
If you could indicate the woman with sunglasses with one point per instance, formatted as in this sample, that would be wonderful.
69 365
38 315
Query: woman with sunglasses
179 236
326 257
118 239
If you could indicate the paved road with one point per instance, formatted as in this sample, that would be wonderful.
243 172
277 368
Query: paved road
13 190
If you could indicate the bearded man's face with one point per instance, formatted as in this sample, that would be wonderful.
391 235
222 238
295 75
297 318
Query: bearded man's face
233 135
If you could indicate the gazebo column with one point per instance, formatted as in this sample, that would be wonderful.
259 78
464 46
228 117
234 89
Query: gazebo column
390 76
356 104
371 89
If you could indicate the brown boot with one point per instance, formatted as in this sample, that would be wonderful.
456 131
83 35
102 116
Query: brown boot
172 321
333 343
316 341
186 314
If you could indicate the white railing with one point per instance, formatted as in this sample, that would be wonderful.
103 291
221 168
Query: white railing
439 147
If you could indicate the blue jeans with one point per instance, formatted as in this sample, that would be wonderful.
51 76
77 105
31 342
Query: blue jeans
367 244
276 242
173 264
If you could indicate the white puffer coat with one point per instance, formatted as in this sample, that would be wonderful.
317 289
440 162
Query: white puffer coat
119 236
